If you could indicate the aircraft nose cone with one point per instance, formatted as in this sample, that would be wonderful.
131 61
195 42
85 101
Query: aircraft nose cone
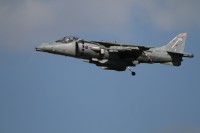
42 47
38 48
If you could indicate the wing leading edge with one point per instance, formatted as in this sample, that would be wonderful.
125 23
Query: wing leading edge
109 44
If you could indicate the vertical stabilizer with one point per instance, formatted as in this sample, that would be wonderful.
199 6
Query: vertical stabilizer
177 45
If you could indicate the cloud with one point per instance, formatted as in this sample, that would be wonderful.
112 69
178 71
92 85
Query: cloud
25 20
71 14
31 18
18 21
171 14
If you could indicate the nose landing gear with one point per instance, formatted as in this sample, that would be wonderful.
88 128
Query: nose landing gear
133 73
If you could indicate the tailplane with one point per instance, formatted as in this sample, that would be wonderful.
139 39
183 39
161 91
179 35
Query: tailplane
175 48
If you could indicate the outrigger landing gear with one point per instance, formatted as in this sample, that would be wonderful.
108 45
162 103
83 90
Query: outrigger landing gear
133 73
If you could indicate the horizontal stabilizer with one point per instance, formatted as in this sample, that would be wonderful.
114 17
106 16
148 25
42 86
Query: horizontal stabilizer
182 54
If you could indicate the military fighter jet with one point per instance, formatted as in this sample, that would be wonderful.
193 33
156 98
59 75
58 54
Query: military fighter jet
117 56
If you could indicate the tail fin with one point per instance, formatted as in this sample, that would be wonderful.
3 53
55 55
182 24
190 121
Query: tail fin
177 45
175 48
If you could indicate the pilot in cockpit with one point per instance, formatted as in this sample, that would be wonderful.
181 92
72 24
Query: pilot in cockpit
67 39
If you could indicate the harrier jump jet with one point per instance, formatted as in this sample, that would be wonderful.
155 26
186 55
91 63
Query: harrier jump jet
117 56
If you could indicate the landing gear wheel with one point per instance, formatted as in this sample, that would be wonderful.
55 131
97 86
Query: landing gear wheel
133 73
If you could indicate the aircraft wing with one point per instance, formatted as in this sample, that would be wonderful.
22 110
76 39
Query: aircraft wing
124 50
121 50
133 47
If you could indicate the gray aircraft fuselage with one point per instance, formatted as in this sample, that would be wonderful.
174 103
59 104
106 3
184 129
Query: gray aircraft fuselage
114 56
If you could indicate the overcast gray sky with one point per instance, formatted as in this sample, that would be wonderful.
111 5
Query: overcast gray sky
27 18
40 92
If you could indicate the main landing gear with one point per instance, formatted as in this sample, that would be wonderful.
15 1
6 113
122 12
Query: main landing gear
133 73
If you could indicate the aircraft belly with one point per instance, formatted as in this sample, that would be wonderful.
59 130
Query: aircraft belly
118 65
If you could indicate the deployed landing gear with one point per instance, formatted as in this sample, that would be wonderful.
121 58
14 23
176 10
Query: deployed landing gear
133 73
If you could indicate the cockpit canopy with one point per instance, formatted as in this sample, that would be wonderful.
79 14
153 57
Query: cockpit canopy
68 39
